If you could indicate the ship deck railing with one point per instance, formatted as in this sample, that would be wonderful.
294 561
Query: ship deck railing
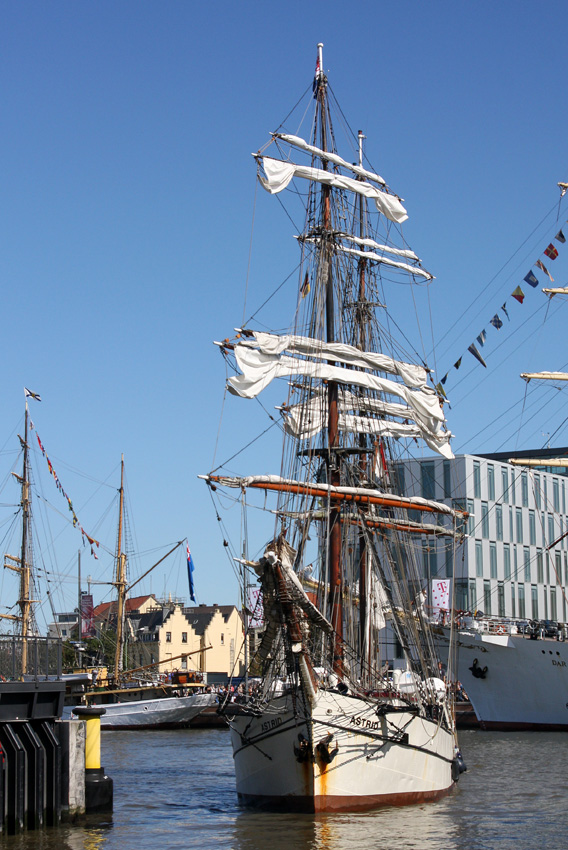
42 655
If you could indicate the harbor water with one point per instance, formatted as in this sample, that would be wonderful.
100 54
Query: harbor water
176 789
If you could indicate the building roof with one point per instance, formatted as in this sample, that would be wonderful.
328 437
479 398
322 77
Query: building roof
106 609
538 454
200 616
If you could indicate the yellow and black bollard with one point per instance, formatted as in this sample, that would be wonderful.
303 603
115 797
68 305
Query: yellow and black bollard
98 786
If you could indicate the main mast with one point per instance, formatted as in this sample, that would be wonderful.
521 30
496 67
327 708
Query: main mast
120 582
363 549
334 474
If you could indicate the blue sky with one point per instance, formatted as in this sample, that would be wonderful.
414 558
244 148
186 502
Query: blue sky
128 191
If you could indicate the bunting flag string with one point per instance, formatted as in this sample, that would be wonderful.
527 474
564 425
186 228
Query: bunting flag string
552 253
540 265
76 523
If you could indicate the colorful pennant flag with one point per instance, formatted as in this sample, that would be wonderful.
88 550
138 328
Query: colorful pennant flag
496 322
481 338
560 236
305 286
444 379
531 279
476 354
518 294
458 363
190 569
29 394
539 264
551 252
505 309
440 390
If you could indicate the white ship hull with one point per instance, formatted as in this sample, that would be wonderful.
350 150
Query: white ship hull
370 769
161 713
526 683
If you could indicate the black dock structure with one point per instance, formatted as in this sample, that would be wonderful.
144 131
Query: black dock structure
42 773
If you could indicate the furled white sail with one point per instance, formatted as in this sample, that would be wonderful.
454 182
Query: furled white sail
259 369
304 421
378 258
371 243
364 493
545 376
298 142
276 344
279 174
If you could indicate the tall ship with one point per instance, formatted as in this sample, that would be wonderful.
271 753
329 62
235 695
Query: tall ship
343 707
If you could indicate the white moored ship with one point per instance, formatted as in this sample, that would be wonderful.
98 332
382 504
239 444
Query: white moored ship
514 680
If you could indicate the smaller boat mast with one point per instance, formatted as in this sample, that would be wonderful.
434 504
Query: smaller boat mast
120 582
22 564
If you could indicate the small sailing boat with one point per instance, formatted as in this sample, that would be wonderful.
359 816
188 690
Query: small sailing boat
141 705
325 723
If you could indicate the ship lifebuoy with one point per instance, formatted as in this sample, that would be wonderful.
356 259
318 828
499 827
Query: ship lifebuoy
501 630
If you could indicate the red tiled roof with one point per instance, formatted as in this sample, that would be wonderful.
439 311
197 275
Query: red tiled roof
102 611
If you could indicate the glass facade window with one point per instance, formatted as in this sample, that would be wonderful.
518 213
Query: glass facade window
558 564
563 498
556 494
447 479
477 479
499 522
460 505
550 529
399 470
505 484
537 490
547 567
532 528
501 599
534 602
565 568
449 562
511 534
485 520
428 476
519 518
487 597
506 561
472 596
527 563
512 488
539 567
552 603
493 560
513 603
478 558
462 603
524 490
471 518
521 597
491 482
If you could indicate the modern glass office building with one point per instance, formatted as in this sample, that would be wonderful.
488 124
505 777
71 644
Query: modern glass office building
513 561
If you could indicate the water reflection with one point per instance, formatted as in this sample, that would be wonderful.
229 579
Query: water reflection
409 828
177 790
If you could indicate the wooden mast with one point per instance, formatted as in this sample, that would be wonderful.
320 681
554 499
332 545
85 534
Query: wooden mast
120 582
364 643
334 475
21 565
24 601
